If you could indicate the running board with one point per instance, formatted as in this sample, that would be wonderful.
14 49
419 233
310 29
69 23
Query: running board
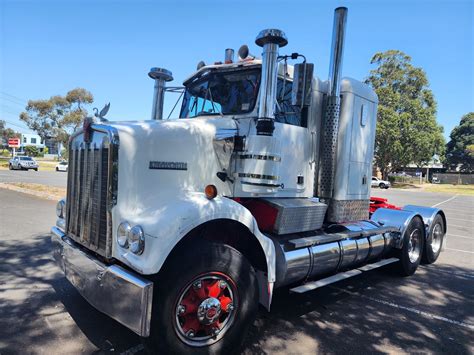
341 276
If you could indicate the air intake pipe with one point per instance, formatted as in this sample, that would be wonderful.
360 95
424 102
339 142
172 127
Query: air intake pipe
161 76
333 105
271 40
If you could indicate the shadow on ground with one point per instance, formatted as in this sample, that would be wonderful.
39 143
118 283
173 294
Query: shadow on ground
376 312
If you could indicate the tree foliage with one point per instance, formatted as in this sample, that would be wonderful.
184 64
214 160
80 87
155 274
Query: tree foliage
407 131
57 116
32 151
6 133
460 148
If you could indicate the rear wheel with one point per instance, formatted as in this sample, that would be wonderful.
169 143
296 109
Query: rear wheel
203 302
10 167
382 185
410 254
434 241
57 169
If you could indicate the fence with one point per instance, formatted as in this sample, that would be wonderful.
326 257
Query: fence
453 178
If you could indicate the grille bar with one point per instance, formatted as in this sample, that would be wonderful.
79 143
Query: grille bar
91 189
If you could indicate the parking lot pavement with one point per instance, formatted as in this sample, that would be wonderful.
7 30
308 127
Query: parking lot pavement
432 311
50 178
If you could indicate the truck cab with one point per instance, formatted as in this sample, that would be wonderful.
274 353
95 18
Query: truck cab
179 228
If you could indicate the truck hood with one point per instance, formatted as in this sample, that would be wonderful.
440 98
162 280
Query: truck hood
160 160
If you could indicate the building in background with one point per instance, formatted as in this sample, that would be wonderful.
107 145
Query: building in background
31 139
54 148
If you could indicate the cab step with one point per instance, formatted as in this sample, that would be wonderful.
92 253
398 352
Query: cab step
341 276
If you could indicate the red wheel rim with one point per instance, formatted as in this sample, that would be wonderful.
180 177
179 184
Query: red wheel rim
205 309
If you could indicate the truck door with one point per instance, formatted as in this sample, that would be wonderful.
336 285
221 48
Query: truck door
296 154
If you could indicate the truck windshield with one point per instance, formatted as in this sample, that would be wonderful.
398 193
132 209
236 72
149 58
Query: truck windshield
221 93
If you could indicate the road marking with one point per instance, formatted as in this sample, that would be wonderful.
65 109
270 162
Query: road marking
409 309
133 350
459 236
461 219
457 226
461 251
457 274
449 199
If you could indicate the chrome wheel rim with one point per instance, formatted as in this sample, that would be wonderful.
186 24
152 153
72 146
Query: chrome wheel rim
414 246
205 309
436 238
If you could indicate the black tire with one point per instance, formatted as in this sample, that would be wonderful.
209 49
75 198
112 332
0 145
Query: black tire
36 169
169 333
382 185
10 167
434 241
415 231
57 169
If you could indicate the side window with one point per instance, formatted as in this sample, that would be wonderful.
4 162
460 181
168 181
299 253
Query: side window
285 112
374 179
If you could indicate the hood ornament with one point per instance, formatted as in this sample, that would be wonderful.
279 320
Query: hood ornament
100 115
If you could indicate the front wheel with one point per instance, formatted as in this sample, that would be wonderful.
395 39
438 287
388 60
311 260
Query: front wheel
413 241
10 167
382 185
203 302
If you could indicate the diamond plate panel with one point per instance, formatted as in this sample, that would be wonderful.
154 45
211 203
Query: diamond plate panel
297 215
348 210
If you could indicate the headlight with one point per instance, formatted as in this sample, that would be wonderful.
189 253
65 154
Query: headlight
122 234
60 208
136 240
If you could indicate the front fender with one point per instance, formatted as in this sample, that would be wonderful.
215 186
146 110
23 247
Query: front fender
165 224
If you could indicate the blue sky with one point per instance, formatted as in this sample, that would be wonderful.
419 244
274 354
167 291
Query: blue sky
107 47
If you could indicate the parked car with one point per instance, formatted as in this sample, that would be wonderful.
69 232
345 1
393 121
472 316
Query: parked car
376 182
23 163
62 166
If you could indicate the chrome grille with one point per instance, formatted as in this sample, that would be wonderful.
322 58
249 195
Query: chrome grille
91 193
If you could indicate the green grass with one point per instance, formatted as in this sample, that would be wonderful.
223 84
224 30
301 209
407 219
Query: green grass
448 188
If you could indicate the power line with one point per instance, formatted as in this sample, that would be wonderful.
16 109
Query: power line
13 101
14 124
14 97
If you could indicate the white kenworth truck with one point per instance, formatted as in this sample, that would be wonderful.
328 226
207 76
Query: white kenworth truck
179 228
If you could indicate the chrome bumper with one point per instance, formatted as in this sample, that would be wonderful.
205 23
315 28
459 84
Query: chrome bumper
113 290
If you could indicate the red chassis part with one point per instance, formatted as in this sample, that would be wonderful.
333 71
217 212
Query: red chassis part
379 202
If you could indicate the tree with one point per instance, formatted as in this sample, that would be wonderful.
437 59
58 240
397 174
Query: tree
460 148
407 131
57 116
6 133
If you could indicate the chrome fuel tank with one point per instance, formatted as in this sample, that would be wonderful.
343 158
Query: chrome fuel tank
349 246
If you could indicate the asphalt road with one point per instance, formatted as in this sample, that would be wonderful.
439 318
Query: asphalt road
50 178
378 312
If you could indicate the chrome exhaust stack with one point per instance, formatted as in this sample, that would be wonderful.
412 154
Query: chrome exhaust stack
333 105
161 76
271 40
229 56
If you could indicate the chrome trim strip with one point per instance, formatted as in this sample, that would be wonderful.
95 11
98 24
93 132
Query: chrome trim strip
260 157
259 176
121 294
257 184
